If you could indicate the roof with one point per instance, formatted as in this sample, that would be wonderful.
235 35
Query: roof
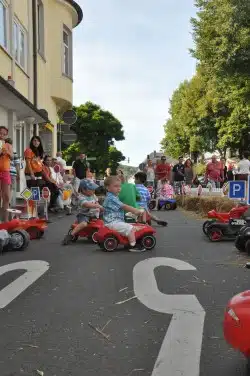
77 8
13 100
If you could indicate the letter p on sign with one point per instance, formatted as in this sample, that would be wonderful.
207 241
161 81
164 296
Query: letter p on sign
236 188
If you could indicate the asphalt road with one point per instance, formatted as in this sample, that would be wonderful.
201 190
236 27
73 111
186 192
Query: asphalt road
49 329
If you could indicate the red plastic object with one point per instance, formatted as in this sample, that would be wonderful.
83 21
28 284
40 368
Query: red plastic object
110 239
235 213
91 230
10 225
35 227
237 323
45 193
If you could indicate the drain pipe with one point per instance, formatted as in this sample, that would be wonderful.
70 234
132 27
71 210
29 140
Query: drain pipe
34 23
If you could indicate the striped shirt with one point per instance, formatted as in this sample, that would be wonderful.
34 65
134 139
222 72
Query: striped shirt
144 196
13 163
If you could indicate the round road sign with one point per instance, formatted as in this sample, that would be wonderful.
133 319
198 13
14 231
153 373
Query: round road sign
69 117
45 193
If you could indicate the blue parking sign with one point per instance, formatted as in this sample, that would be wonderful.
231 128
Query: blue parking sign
237 189
248 190
35 194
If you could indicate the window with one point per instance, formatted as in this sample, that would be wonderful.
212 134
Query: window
3 24
67 52
40 21
20 45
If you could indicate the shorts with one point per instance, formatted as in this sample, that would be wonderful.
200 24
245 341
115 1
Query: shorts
5 177
122 227
82 218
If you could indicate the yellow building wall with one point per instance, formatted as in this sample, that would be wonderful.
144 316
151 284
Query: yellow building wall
5 64
20 8
54 89
21 81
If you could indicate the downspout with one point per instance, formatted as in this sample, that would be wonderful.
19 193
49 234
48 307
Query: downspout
34 22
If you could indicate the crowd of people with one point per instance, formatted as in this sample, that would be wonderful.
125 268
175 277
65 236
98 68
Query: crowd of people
39 170
217 172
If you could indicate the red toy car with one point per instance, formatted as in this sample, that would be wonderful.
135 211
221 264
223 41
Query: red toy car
19 237
109 239
35 227
90 231
235 213
236 324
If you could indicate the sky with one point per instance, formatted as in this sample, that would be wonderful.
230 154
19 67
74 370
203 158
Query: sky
129 57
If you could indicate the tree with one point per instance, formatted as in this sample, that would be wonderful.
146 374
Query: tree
96 131
115 157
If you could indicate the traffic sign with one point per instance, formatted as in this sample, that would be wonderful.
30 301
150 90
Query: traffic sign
237 189
45 193
26 194
35 193
69 117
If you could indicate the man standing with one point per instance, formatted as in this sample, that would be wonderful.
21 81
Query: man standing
163 170
61 161
80 169
214 172
179 176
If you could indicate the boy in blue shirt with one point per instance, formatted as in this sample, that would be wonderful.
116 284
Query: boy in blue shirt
114 211
140 180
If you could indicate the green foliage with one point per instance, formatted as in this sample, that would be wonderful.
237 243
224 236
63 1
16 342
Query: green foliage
200 169
212 109
96 132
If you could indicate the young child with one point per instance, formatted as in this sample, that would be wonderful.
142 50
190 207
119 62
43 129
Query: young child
140 181
164 190
114 212
88 207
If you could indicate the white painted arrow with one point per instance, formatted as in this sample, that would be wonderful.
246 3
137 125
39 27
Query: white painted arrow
34 270
181 348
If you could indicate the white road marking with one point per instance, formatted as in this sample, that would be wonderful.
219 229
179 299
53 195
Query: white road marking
181 348
34 270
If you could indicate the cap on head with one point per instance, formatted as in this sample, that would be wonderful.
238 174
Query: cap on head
163 158
88 185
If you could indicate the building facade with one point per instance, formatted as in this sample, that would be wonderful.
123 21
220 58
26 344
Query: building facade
36 67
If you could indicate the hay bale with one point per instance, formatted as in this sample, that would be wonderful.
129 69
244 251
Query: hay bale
203 204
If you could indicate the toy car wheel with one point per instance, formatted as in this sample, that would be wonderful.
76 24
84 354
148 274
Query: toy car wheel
110 244
93 237
239 244
174 206
151 205
168 206
214 234
247 247
19 240
34 232
74 239
205 226
148 242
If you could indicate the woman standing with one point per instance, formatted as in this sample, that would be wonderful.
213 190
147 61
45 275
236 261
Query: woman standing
6 155
149 170
189 172
34 166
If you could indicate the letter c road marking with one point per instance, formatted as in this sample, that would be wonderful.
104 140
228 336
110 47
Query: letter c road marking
34 270
181 348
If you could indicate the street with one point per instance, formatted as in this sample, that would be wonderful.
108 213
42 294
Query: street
77 317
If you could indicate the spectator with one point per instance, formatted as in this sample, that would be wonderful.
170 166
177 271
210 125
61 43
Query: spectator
80 170
120 173
214 173
34 166
50 182
14 174
149 170
163 169
61 160
189 172
6 155
179 176
223 171
243 167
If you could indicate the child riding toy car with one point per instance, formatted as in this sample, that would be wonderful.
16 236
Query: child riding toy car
109 240
89 232
19 238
